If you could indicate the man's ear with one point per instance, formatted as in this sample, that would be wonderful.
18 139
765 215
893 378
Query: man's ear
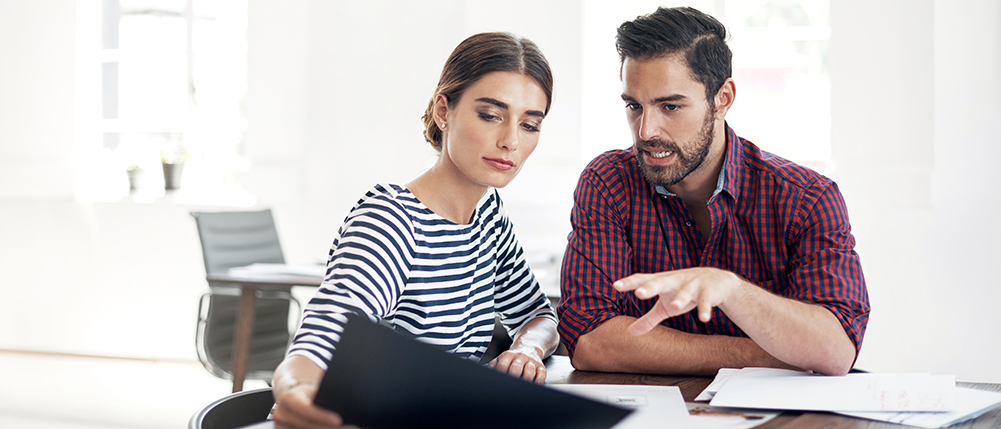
440 111
724 98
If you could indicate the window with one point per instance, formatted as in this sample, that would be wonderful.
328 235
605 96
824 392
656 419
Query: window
172 82
783 85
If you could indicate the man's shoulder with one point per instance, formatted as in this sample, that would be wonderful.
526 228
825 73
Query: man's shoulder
770 166
612 163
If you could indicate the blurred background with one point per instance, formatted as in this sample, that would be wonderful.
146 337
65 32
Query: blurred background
302 105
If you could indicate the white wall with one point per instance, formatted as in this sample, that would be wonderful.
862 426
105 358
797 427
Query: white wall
915 96
37 86
916 101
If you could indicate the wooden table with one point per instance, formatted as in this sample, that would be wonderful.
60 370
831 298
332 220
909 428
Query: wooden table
245 316
561 372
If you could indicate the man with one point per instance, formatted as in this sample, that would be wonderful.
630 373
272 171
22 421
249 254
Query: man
695 250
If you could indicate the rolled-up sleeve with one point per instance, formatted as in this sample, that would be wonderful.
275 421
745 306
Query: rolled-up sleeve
824 268
598 252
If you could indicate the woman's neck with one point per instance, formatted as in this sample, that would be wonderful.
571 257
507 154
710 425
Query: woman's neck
448 192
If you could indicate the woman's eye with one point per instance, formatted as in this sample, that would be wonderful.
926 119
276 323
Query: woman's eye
531 127
487 117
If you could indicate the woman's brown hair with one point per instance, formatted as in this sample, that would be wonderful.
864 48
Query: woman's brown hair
482 54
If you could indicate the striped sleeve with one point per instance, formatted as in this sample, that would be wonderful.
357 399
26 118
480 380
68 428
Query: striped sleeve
518 298
368 267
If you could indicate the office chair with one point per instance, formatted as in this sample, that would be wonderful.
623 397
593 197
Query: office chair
233 239
233 411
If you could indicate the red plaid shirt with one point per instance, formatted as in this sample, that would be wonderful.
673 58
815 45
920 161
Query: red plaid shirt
781 226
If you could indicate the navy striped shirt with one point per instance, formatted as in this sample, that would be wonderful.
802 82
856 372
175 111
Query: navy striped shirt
401 264
781 226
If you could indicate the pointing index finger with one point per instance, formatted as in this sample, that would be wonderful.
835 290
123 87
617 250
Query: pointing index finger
631 282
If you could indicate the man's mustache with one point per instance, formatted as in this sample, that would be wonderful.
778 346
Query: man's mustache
657 143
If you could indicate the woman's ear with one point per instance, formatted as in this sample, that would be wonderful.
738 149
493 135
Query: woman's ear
724 98
441 111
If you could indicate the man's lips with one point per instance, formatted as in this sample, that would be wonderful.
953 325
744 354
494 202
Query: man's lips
658 156
499 163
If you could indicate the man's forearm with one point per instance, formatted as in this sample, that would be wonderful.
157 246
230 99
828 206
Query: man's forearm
611 348
805 335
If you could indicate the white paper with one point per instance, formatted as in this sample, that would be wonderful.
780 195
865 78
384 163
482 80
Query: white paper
657 407
970 403
666 399
259 269
780 389
721 376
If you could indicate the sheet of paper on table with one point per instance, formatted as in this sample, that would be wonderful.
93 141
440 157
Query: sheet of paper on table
768 388
663 406
970 404
261 269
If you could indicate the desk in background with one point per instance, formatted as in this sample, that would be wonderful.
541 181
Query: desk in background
279 279
249 286
561 372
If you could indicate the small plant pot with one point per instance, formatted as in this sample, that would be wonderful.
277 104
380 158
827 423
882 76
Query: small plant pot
135 179
172 176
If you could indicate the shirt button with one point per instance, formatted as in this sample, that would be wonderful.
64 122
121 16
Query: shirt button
688 224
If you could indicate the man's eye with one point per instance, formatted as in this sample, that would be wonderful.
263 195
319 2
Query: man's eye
633 106
671 107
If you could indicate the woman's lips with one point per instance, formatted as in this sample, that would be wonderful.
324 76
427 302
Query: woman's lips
500 164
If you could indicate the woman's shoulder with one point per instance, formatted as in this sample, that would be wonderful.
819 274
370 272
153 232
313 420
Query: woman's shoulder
388 196
387 203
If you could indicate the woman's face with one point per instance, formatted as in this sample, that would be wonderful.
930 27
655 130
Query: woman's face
489 134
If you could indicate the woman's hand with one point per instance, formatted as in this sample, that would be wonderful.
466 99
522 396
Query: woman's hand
535 341
294 409
524 362
296 382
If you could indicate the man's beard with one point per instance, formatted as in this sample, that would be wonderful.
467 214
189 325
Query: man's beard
668 175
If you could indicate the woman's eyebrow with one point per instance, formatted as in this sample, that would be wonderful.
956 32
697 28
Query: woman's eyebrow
504 105
495 102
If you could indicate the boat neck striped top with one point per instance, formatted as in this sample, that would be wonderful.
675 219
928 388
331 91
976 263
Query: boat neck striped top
404 266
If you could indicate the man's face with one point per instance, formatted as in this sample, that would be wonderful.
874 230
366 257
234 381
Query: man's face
672 124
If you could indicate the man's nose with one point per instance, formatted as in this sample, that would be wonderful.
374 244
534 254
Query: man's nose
648 126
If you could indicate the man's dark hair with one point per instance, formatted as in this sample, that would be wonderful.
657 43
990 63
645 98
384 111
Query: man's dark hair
699 38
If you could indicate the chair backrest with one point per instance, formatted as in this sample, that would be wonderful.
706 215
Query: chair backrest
233 411
234 239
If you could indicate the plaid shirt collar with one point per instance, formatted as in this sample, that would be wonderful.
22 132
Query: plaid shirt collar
731 160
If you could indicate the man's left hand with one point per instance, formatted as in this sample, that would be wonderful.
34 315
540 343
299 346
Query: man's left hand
680 291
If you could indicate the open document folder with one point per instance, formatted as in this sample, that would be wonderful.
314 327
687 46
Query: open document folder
381 379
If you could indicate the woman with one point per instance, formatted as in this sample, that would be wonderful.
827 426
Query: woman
437 258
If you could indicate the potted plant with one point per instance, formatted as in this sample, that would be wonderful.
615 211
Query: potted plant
135 176
172 172
173 162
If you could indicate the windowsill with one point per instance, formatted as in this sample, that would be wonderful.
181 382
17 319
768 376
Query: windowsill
227 196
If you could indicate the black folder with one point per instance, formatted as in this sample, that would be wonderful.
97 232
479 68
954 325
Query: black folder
381 379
